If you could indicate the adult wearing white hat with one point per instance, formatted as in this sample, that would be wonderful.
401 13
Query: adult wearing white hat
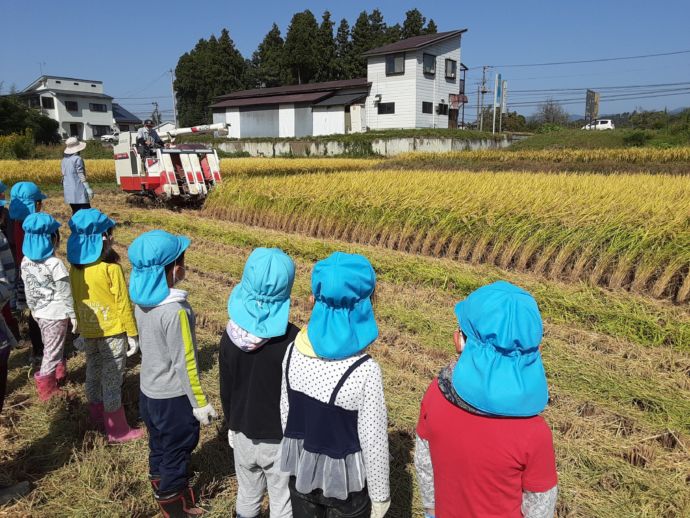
78 192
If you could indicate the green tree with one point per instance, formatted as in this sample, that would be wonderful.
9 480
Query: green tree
345 61
413 24
267 67
17 117
302 53
327 47
212 68
431 27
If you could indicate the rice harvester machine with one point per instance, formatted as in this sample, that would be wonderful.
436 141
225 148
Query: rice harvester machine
177 173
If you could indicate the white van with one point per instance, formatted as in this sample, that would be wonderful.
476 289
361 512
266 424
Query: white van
600 124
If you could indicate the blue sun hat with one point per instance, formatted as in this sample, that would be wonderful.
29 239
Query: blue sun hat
39 229
3 189
149 254
500 371
260 303
85 244
342 322
23 198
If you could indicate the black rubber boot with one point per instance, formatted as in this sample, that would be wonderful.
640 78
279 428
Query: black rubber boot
177 505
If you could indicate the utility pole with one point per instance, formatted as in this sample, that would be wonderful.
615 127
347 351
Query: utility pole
172 86
479 88
484 90
156 116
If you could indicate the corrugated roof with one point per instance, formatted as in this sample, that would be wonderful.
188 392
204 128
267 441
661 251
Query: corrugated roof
291 89
343 98
122 115
273 99
417 42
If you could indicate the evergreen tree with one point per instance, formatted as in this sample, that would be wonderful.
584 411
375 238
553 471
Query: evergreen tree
413 24
302 53
362 40
267 67
431 27
327 70
343 52
212 68
379 30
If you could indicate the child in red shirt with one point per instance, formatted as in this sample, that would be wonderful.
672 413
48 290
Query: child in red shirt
482 449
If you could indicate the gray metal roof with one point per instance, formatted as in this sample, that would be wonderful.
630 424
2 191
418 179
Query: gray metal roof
122 115
343 99
72 93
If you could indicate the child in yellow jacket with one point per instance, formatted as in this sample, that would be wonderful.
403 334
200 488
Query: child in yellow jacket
105 318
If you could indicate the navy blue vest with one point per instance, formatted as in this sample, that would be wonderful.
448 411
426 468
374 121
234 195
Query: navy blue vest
325 428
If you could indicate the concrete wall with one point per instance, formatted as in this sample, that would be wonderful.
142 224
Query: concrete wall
383 147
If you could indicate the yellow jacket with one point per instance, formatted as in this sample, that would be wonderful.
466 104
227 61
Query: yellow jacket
101 301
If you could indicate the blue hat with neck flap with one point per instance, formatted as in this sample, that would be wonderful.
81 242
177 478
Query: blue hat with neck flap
39 229
260 303
85 244
342 322
23 198
149 254
500 371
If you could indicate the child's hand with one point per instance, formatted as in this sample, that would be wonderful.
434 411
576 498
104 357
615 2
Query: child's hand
73 320
205 414
133 342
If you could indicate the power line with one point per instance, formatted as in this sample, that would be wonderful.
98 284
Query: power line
597 60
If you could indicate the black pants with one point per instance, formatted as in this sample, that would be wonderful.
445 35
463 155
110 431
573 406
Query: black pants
173 435
76 207
315 505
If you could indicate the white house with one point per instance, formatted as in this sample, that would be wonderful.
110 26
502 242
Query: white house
412 83
78 105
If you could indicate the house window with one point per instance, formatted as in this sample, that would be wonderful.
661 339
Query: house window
93 86
395 64
429 65
386 108
427 107
442 109
98 107
48 103
71 106
34 102
462 86
76 84
58 81
124 127
451 69
99 131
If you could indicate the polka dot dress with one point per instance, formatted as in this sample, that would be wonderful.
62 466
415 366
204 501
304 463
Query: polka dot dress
362 391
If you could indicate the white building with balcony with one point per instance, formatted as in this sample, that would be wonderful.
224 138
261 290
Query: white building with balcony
80 106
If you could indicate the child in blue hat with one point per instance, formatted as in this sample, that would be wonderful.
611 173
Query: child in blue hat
106 320
171 402
25 198
252 350
335 445
48 296
482 446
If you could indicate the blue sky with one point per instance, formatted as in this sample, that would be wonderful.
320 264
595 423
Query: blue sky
130 45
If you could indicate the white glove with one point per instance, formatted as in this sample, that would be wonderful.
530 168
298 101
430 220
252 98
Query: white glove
73 320
379 509
89 191
205 414
133 342
79 344
231 439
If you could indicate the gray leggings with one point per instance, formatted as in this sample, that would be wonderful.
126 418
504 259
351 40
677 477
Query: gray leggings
105 370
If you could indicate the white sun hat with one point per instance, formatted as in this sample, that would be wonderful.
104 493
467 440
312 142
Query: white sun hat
72 145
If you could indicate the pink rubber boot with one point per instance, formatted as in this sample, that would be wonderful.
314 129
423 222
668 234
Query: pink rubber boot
61 372
47 387
117 429
96 415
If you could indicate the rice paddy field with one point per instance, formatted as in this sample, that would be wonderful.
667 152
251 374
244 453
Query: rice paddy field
606 255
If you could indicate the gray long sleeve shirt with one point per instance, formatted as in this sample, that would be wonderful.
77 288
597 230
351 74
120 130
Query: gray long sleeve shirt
73 179
167 340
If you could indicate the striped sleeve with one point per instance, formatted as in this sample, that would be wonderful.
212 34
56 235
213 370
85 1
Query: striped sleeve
180 341
8 273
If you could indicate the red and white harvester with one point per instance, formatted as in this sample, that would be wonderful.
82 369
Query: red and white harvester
183 173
